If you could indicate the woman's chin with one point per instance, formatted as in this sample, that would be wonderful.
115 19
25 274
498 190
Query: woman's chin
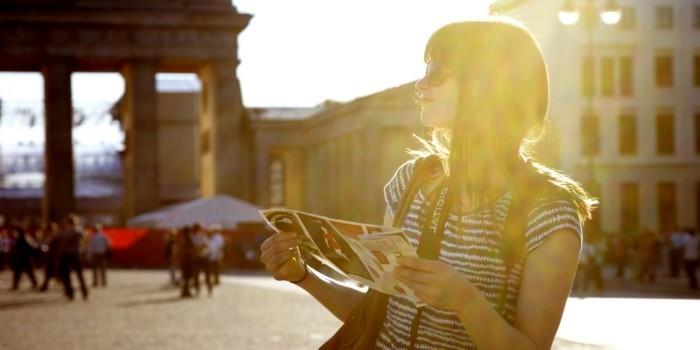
431 121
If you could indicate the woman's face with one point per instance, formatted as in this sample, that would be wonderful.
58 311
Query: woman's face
437 93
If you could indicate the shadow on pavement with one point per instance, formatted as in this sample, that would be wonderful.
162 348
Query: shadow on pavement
21 304
163 288
157 301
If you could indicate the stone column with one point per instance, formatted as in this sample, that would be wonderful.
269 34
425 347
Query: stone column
225 155
261 174
373 202
59 184
140 120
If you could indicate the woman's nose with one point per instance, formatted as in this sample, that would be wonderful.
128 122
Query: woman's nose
420 86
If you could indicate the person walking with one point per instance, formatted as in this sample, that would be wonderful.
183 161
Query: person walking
489 282
216 252
187 253
171 255
590 267
690 257
647 256
49 248
676 252
21 258
6 243
69 259
620 254
97 253
201 265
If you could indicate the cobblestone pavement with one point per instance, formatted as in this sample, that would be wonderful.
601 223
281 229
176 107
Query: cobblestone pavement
627 287
140 311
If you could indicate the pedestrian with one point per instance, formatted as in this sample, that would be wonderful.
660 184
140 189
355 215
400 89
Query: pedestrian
49 248
619 254
97 253
485 285
676 252
216 252
201 265
25 249
580 286
69 255
590 267
647 256
187 254
6 243
690 257
171 255
39 238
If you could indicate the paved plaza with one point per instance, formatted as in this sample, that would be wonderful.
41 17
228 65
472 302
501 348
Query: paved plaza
139 310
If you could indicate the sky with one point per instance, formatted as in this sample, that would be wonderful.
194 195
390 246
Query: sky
303 52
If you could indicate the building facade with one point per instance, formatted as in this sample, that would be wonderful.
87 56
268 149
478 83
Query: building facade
335 160
628 106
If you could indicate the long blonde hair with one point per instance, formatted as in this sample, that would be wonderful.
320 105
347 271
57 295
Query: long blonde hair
499 123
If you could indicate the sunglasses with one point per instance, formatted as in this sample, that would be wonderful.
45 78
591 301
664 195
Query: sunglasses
435 75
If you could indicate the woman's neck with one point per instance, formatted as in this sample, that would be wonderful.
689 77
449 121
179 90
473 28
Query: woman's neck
499 186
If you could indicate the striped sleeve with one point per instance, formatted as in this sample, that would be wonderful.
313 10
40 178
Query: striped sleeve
396 186
550 216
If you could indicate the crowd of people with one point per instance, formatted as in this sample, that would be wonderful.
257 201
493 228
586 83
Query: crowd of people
192 251
60 249
642 257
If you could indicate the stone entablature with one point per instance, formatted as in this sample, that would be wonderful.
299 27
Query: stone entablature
100 31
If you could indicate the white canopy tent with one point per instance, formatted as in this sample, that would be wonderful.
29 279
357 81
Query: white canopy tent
219 210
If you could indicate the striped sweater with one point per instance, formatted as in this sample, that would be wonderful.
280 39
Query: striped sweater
474 251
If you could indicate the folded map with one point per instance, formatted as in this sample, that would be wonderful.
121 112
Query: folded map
362 252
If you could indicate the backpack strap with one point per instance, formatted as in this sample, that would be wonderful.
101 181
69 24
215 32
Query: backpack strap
362 328
422 167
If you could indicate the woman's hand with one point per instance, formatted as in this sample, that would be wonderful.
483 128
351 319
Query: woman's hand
280 254
434 282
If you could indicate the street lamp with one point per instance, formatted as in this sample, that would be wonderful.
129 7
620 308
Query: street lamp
610 14
589 13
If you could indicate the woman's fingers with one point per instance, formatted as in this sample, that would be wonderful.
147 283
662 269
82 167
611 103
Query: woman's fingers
277 243
270 256
278 260
280 246
275 238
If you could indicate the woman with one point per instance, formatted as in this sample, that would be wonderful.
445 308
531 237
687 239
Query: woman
485 93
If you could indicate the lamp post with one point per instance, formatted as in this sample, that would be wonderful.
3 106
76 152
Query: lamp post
589 16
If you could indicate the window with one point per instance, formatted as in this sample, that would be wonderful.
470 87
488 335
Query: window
697 134
276 185
626 76
696 70
590 135
667 205
664 17
664 70
628 134
607 76
630 207
628 20
665 133
588 77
